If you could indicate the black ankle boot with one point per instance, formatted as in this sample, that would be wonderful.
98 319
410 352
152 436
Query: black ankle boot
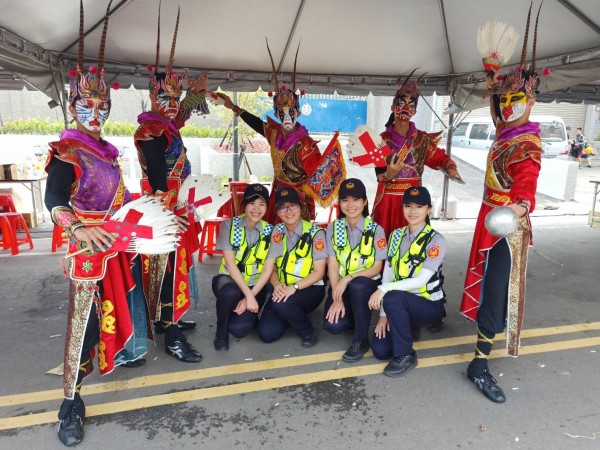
71 415
486 383
178 347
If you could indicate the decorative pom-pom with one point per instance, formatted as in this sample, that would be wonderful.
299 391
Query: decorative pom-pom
284 88
270 94
546 71
183 74
302 92
116 86
500 77
174 74
150 68
72 73
93 70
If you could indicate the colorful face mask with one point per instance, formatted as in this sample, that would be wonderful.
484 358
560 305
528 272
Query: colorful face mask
92 113
513 106
404 106
288 117
166 88
168 105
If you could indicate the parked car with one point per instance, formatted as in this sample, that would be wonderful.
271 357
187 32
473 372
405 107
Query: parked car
479 133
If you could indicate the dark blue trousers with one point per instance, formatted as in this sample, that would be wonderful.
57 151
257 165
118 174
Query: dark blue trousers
358 315
403 310
276 317
494 301
228 295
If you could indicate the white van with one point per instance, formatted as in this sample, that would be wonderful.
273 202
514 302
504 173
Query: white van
479 133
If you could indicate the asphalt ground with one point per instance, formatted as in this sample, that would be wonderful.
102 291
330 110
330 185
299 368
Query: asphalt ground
281 395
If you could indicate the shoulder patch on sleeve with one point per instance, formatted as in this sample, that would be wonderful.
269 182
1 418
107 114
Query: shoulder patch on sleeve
381 242
277 237
434 251
319 244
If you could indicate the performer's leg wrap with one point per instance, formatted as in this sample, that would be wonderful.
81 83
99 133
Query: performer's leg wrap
485 340
166 315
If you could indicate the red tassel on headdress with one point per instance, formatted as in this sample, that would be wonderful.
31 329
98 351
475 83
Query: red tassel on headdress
174 74
302 93
270 94
500 77
283 88
93 70
150 68
546 71
72 73
116 86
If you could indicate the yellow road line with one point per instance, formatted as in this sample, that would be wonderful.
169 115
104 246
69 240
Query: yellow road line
282 363
275 383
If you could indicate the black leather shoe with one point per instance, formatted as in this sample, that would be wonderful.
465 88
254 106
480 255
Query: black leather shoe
310 339
183 351
488 385
70 430
132 364
221 345
183 325
355 352
400 364
436 327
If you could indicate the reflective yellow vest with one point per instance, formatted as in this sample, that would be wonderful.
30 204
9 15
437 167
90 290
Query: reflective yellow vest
352 260
409 265
297 263
249 260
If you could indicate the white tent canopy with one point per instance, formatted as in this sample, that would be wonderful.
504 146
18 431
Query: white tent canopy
348 46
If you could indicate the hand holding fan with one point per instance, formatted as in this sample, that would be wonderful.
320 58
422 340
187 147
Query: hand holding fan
367 149
214 98
141 226
496 42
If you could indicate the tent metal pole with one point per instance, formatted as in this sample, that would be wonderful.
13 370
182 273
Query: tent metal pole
236 147
444 206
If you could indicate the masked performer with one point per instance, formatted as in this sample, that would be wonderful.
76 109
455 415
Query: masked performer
412 150
495 281
297 162
84 189
169 280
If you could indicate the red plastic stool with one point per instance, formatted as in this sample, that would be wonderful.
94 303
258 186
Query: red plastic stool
57 238
208 238
11 222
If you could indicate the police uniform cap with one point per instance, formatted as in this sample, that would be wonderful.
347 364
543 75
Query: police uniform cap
286 195
417 194
352 187
255 190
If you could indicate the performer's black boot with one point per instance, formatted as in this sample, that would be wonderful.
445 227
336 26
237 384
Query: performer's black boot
177 346
488 385
71 415
478 371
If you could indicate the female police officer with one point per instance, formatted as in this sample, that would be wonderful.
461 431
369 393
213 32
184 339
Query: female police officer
240 286
356 248
298 248
411 289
